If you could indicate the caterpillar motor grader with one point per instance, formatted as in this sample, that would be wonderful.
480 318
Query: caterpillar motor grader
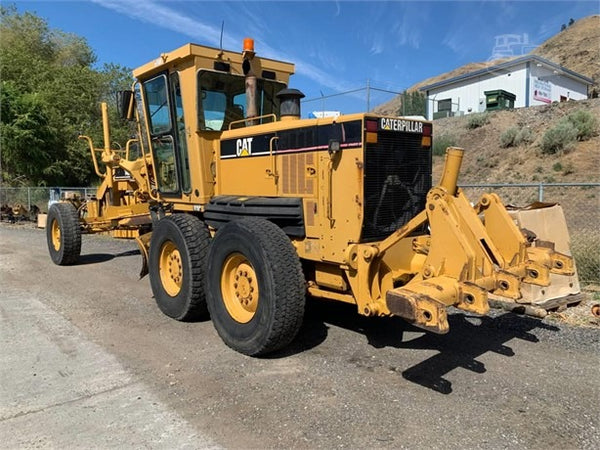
241 208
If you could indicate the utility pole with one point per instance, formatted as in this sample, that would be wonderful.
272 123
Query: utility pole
368 95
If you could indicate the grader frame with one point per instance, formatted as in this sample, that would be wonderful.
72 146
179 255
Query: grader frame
246 215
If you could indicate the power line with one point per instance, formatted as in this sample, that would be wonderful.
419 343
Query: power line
333 95
368 87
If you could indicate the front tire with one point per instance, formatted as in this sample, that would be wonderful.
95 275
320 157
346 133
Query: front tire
63 234
177 260
255 286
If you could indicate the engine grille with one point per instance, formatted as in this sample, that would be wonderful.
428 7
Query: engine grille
397 179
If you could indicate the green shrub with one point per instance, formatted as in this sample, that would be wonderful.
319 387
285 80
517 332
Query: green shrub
524 136
477 120
507 138
441 142
559 139
513 137
557 167
584 122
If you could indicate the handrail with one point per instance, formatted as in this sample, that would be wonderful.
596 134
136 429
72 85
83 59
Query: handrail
93 152
272 172
247 119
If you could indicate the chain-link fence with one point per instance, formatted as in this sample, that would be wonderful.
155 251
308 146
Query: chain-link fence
580 202
38 197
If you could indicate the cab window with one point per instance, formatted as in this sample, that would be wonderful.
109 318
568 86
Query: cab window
160 124
222 99
157 101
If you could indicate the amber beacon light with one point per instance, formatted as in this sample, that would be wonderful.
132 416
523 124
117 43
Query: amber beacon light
248 44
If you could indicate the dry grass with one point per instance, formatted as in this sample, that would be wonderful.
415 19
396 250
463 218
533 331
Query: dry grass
579 315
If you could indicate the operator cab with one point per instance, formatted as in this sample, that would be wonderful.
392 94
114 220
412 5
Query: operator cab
186 98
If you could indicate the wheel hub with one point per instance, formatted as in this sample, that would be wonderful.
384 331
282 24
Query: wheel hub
56 235
171 268
239 288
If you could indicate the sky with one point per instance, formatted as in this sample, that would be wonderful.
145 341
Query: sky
337 46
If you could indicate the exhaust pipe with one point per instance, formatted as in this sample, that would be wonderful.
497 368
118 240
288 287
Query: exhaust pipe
251 82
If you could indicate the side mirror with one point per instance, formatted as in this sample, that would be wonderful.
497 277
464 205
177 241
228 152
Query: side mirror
125 104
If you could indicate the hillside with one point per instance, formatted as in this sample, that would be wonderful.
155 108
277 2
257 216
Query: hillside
576 48
486 161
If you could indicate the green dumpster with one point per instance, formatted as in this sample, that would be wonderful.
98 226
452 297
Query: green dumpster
499 99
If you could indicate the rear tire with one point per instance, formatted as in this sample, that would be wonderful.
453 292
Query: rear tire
255 286
63 234
177 260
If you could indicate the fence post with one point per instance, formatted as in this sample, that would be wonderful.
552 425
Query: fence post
541 192
28 199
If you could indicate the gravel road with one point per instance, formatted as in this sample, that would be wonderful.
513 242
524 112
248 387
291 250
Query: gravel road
87 360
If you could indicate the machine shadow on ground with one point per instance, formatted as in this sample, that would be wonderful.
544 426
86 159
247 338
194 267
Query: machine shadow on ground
470 337
96 258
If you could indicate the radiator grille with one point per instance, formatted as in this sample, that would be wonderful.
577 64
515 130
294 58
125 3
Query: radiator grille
397 179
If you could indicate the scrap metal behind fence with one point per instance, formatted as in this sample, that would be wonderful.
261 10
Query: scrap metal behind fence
39 196
580 202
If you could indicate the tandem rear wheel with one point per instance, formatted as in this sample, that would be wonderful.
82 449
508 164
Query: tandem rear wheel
177 261
248 277
255 286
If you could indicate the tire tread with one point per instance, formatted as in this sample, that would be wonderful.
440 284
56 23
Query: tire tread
70 233
289 287
197 239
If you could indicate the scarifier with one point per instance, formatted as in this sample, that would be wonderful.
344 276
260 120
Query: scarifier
241 208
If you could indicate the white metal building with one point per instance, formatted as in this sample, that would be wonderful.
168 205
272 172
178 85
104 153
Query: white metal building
532 79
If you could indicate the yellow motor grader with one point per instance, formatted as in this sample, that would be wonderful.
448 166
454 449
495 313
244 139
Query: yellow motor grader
241 208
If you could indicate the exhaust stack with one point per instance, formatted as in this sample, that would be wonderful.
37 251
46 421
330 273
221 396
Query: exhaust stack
251 81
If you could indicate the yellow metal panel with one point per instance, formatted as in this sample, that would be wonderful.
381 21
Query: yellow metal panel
330 276
340 201
246 176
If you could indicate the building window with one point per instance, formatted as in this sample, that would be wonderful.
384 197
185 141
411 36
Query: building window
445 105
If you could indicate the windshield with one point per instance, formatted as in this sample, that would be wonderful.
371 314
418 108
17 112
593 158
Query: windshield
222 99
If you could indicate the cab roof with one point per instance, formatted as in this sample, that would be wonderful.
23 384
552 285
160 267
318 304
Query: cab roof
204 57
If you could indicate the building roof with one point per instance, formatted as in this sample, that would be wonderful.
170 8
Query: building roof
508 64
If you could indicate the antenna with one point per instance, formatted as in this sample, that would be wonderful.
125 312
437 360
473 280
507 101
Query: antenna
221 40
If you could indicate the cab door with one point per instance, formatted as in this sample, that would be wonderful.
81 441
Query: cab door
166 126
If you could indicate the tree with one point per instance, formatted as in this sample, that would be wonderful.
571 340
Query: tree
50 93
413 103
28 141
